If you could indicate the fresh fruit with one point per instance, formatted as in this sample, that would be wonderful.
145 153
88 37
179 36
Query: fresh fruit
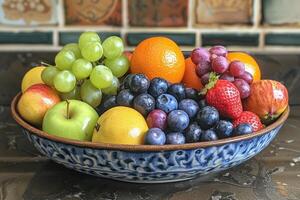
268 99
32 77
247 77
125 98
113 47
207 117
224 129
203 68
139 84
225 97
48 75
175 138
87 37
208 135
177 90
199 54
81 68
191 93
218 51
236 68
74 47
71 119
155 136
92 51
108 103
219 64
243 87
202 103
190 78
158 57
249 118
118 66
126 82
193 133
227 76
205 78
113 88
157 119
101 77
120 125
144 103
64 59
251 65
190 106
166 102
158 86
243 129
74 94
128 54
35 102
178 120
64 81
90 94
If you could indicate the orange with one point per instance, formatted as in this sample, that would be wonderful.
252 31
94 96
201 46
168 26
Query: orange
251 65
190 78
158 57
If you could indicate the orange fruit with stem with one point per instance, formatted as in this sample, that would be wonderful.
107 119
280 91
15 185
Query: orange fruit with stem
190 78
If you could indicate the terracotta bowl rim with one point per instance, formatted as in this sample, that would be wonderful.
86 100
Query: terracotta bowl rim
143 148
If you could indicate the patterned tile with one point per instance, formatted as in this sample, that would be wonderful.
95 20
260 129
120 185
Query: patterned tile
28 12
158 12
230 39
183 39
283 39
223 12
25 37
93 12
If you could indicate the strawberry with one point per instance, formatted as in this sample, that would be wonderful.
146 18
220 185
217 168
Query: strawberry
249 118
224 96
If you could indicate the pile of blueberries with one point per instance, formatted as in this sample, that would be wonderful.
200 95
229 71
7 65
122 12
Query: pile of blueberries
174 114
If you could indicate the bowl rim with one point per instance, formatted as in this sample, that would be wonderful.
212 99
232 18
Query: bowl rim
144 148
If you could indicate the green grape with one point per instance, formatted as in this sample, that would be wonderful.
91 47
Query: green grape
101 77
90 94
74 48
74 94
92 51
81 68
113 88
113 47
48 75
119 66
87 37
64 81
64 59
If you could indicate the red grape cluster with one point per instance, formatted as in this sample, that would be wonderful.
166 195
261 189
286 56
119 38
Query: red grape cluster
215 60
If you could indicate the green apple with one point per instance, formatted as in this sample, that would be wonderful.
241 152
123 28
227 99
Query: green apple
71 119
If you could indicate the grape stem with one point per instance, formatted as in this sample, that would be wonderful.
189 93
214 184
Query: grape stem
46 64
68 109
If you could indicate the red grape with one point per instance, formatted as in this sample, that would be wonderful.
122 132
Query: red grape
202 68
213 56
205 79
227 77
218 50
243 87
219 64
236 68
247 77
199 54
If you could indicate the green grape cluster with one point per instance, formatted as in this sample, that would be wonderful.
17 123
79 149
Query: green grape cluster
86 69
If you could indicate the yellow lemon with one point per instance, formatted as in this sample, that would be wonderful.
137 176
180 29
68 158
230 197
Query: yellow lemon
32 77
120 125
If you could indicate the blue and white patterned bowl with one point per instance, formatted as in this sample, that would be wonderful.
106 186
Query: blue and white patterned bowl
147 163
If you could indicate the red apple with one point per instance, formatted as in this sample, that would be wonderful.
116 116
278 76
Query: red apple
35 102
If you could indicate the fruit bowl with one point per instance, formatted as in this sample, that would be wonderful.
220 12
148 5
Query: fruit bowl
149 163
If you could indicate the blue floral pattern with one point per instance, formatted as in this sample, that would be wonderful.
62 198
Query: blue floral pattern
150 167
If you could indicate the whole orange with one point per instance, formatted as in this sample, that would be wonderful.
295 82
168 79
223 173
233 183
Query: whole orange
158 57
251 65
190 78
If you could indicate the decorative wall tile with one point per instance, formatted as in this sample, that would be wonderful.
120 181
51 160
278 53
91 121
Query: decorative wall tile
25 37
283 39
158 12
70 37
223 12
28 12
93 12
184 39
281 11
230 39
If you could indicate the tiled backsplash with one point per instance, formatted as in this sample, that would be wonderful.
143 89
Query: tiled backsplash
253 25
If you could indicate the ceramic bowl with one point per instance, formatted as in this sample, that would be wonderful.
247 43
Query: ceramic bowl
147 163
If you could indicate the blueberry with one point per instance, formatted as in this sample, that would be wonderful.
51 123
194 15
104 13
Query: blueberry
209 135
178 120
144 103
157 87
109 102
207 117
125 98
175 138
139 83
243 129
224 129
126 82
193 133
177 90
155 136
166 102
189 106
191 93
202 103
